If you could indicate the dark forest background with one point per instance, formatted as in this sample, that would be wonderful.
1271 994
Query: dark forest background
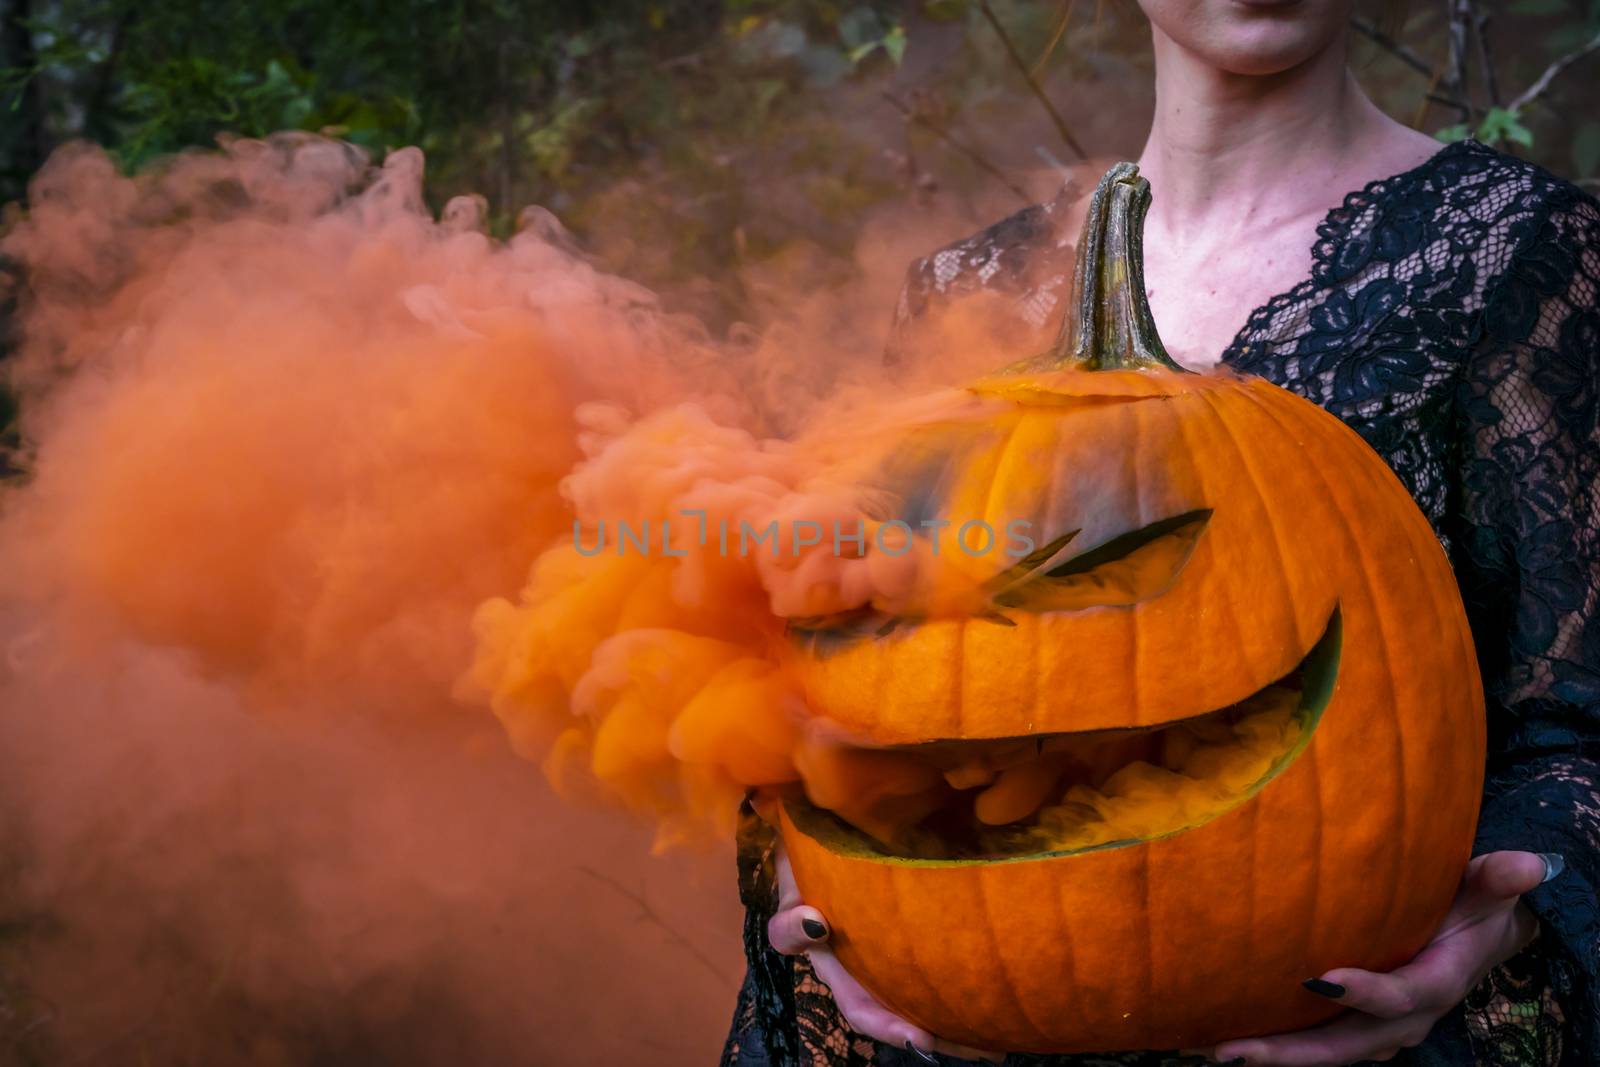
681 136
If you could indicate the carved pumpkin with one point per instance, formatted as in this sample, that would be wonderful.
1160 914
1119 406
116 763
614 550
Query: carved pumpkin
1222 730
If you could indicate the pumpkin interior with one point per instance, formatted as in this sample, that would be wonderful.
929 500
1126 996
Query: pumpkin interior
1057 794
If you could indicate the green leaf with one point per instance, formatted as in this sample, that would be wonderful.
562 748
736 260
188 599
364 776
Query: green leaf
894 43
862 51
1451 134
1503 125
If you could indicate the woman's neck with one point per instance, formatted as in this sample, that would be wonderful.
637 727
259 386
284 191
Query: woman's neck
1244 153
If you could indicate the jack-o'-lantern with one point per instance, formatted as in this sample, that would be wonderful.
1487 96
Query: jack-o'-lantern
1220 730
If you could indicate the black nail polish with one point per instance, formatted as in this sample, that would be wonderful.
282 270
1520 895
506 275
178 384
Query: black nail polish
1332 990
814 930
1554 864
926 1057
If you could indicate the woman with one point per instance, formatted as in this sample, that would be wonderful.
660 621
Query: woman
1448 310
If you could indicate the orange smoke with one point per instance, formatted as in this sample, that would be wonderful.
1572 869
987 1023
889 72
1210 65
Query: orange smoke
289 442
285 421
644 648
290 423
283 431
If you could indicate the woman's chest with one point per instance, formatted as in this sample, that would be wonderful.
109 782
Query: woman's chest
1203 296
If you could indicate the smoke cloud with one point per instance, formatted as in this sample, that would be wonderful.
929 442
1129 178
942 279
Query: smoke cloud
300 468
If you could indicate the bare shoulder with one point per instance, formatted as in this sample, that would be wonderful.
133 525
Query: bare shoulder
1401 149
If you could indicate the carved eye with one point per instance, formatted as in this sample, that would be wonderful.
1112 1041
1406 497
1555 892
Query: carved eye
1126 570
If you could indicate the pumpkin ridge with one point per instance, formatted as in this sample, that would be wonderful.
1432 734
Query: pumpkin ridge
1274 523
1252 879
1364 574
1138 438
1147 937
1070 978
1423 541
1227 608
1319 844
897 923
1018 1000
989 508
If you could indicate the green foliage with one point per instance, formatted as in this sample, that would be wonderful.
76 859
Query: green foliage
1500 125
757 118
1497 127
863 32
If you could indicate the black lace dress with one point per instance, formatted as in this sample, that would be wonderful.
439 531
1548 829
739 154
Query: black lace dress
1452 317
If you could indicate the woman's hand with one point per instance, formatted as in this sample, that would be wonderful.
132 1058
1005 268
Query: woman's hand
1487 925
796 929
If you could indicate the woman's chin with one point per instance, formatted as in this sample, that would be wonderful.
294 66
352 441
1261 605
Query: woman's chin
1249 37
1259 46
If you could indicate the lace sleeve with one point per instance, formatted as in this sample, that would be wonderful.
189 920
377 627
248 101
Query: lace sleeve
1529 565
1023 264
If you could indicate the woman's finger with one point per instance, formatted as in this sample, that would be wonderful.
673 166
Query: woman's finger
1348 1039
1429 985
1385 996
1503 875
1490 881
794 927
861 1009
797 929
869 1018
788 892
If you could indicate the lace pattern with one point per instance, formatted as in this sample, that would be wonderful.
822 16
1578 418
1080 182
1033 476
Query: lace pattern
1452 318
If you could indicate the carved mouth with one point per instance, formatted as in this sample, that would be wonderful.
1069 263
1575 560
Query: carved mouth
1060 794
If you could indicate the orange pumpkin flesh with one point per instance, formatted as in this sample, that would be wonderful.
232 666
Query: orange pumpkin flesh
1304 555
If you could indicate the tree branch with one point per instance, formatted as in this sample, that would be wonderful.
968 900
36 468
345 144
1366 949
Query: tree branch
1459 15
944 135
1480 35
1369 29
1022 66
1537 89
105 79
650 915
1055 38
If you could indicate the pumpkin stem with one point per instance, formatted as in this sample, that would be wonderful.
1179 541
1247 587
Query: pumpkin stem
1113 328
